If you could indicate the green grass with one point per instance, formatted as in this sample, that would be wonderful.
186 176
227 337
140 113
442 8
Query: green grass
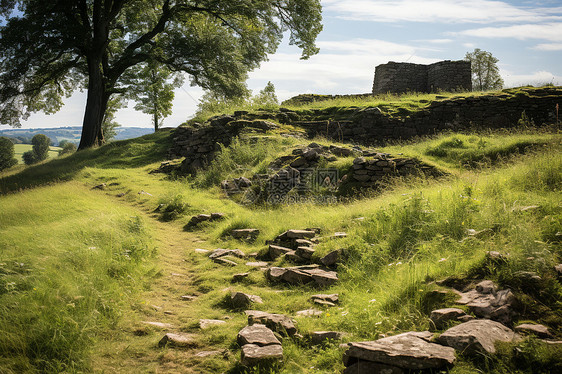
77 266
20 149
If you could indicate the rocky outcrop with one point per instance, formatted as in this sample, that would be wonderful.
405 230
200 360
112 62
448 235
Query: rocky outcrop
298 275
280 323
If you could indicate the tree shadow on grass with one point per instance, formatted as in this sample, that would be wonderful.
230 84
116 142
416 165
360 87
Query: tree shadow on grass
130 153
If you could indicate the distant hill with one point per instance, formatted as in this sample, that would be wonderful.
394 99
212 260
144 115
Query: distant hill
70 133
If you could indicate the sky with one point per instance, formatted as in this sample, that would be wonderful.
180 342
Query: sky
358 35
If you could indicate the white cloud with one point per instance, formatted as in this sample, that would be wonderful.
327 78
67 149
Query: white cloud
548 47
443 11
469 45
547 31
536 78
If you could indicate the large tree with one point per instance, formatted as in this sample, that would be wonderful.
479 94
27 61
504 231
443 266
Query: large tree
48 49
485 71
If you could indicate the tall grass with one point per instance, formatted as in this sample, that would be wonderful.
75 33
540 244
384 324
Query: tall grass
68 265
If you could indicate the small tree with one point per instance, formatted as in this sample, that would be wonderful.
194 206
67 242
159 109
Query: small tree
266 97
7 159
67 148
109 125
41 145
29 158
485 71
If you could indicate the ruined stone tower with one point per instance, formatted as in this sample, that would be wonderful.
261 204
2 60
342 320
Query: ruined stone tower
400 77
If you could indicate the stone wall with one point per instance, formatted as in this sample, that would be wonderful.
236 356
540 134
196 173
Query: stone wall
396 77
372 126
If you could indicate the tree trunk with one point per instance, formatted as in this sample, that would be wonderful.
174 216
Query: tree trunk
156 124
95 107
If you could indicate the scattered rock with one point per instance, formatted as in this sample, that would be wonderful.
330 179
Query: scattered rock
326 300
249 235
305 252
188 297
405 351
225 261
298 234
257 334
535 329
276 251
527 276
277 322
254 354
121 194
309 313
476 336
558 269
177 340
220 252
486 302
161 325
240 300
257 264
441 317
206 323
331 258
202 251
302 275
100 187
319 337
486 287
239 277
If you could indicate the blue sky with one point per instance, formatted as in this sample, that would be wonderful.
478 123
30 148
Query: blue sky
526 37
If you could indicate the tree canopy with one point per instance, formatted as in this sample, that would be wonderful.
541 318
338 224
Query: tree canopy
485 71
49 49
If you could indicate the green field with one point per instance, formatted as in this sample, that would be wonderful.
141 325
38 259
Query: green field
20 149
82 270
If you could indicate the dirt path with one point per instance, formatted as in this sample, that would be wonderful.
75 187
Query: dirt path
133 348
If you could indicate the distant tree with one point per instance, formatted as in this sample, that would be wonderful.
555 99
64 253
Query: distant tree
68 147
50 48
41 145
63 142
266 97
29 157
485 71
7 159
214 103
152 87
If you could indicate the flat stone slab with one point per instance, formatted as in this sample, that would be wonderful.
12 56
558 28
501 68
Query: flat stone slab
257 334
188 297
245 234
206 323
203 354
225 261
257 264
240 276
535 329
300 234
405 351
319 337
177 340
253 354
277 322
486 302
277 250
331 258
221 252
441 317
476 336
333 298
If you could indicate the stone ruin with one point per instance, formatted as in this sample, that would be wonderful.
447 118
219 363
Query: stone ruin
400 77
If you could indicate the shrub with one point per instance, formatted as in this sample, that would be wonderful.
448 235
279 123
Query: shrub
41 145
30 158
7 159
68 147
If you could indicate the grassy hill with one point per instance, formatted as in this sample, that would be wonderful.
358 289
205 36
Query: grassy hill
82 269
20 149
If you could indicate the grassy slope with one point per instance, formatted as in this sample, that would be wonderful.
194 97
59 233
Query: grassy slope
103 298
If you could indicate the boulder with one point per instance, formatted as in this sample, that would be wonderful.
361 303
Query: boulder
305 252
253 354
441 317
177 340
300 234
302 275
476 336
534 329
239 277
405 351
257 334
240 300
277 322
326 300
486 302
